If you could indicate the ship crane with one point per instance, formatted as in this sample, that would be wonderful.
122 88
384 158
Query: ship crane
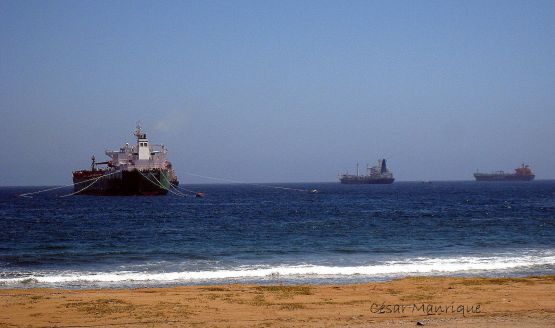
93 164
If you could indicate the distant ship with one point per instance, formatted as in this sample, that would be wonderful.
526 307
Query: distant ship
378 174
142 169
522 173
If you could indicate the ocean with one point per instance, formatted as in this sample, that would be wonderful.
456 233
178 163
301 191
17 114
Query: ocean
268 234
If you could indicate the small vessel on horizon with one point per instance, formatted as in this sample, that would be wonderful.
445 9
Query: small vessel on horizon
378 174
522 173
142 169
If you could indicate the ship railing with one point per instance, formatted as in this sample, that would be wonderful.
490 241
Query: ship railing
142 167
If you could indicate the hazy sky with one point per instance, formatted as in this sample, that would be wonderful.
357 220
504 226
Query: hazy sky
279 91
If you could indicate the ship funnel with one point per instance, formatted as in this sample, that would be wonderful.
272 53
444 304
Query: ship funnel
384 167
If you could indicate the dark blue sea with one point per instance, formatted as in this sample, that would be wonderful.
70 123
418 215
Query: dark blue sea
270 234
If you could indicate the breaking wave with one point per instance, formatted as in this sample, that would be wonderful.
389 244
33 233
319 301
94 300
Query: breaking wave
408 267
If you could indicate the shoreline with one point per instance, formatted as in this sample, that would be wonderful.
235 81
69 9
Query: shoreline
430 301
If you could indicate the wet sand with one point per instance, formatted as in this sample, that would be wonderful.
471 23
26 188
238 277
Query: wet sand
409 302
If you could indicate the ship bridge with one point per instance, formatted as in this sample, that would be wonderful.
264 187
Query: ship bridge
142 156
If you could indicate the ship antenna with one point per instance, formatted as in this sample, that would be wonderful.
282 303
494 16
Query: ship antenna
138 130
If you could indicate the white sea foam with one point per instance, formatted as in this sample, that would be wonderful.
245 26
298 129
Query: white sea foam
415 266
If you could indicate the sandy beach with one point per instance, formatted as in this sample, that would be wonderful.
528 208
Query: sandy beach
433 302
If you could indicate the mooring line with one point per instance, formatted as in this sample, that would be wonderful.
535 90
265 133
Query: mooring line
28 195
248 183
162 186
87 187
171 186
178 190
186 190
159 185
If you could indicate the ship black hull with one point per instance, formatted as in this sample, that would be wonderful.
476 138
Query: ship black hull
122 183
368 181
503 178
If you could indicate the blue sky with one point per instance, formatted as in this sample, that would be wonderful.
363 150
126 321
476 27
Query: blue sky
279 91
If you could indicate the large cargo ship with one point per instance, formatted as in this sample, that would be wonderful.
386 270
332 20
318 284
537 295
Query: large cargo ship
378 174
142 169
522 173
